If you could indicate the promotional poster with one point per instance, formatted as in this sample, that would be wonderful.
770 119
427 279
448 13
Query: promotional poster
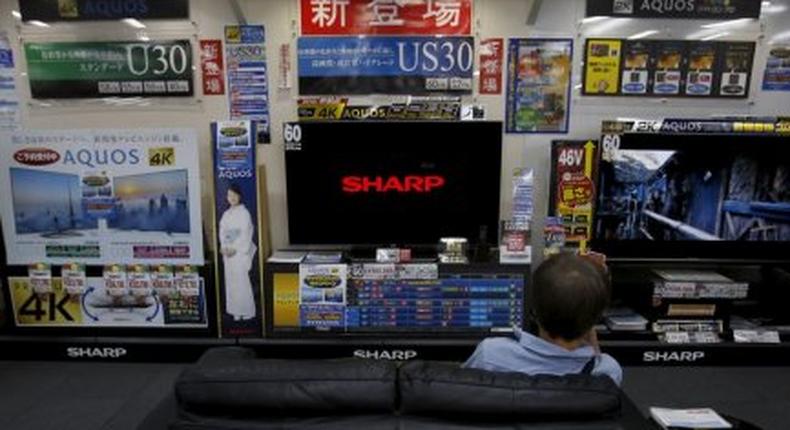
344 17
101 196
9 99
777 69
667 68
385 65
122 297
248 86
236 217
573 164
68 70
322 295
539 85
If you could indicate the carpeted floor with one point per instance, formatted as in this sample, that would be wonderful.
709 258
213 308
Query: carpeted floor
85 396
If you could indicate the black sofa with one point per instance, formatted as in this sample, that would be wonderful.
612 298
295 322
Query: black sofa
229 388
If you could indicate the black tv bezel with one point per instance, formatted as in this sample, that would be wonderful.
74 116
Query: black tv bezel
492 237
727 252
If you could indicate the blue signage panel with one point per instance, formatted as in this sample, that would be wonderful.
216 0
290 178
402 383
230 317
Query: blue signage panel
385 65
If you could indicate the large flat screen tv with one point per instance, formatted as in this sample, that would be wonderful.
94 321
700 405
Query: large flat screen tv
723 196
404 183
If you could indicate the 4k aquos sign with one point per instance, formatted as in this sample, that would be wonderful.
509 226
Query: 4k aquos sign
680 9
424 17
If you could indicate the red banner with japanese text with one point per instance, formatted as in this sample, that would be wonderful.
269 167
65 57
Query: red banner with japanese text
213 67
491 66
414 17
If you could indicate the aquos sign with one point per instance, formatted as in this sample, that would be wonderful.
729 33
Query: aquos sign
679 9
385 65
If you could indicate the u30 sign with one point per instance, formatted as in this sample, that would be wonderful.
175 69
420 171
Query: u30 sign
104 69
385 65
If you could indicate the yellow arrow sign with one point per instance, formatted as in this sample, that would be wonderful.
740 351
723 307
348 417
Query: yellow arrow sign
589 150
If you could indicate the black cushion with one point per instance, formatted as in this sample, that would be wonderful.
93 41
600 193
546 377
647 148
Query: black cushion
447 388
240 384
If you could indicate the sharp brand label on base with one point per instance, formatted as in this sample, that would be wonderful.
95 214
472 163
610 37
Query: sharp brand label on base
384 354
673 356
89 352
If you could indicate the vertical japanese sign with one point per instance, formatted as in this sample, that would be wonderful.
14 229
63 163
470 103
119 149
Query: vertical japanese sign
422 17
213 67
777 69
236 240
573 166
9 100
538 87
491 54
248 85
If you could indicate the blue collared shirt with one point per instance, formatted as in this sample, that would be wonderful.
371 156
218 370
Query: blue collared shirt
533 355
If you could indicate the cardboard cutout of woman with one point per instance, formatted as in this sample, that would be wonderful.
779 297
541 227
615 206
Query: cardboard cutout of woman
236 245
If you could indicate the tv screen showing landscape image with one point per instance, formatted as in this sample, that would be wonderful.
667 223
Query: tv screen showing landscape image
47 203
665 192
152 202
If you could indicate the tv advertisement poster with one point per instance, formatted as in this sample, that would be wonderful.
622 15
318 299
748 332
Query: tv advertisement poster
9 99
248 86
538 86
777 69
573 164
385 65
133 296
322 295
667 68
237 233
111 196
69 70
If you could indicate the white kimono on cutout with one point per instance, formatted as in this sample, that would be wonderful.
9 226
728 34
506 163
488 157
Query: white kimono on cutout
235 232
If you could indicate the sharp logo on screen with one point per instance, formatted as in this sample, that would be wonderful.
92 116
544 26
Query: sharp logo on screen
383 354
670 356
88 352
381 184
36 156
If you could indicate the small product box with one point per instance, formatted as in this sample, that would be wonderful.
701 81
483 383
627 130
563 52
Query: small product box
74 279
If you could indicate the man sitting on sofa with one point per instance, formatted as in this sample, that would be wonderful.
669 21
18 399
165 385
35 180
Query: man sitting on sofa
568 295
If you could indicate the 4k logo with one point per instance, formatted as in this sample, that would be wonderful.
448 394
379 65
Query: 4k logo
161 157
55 309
